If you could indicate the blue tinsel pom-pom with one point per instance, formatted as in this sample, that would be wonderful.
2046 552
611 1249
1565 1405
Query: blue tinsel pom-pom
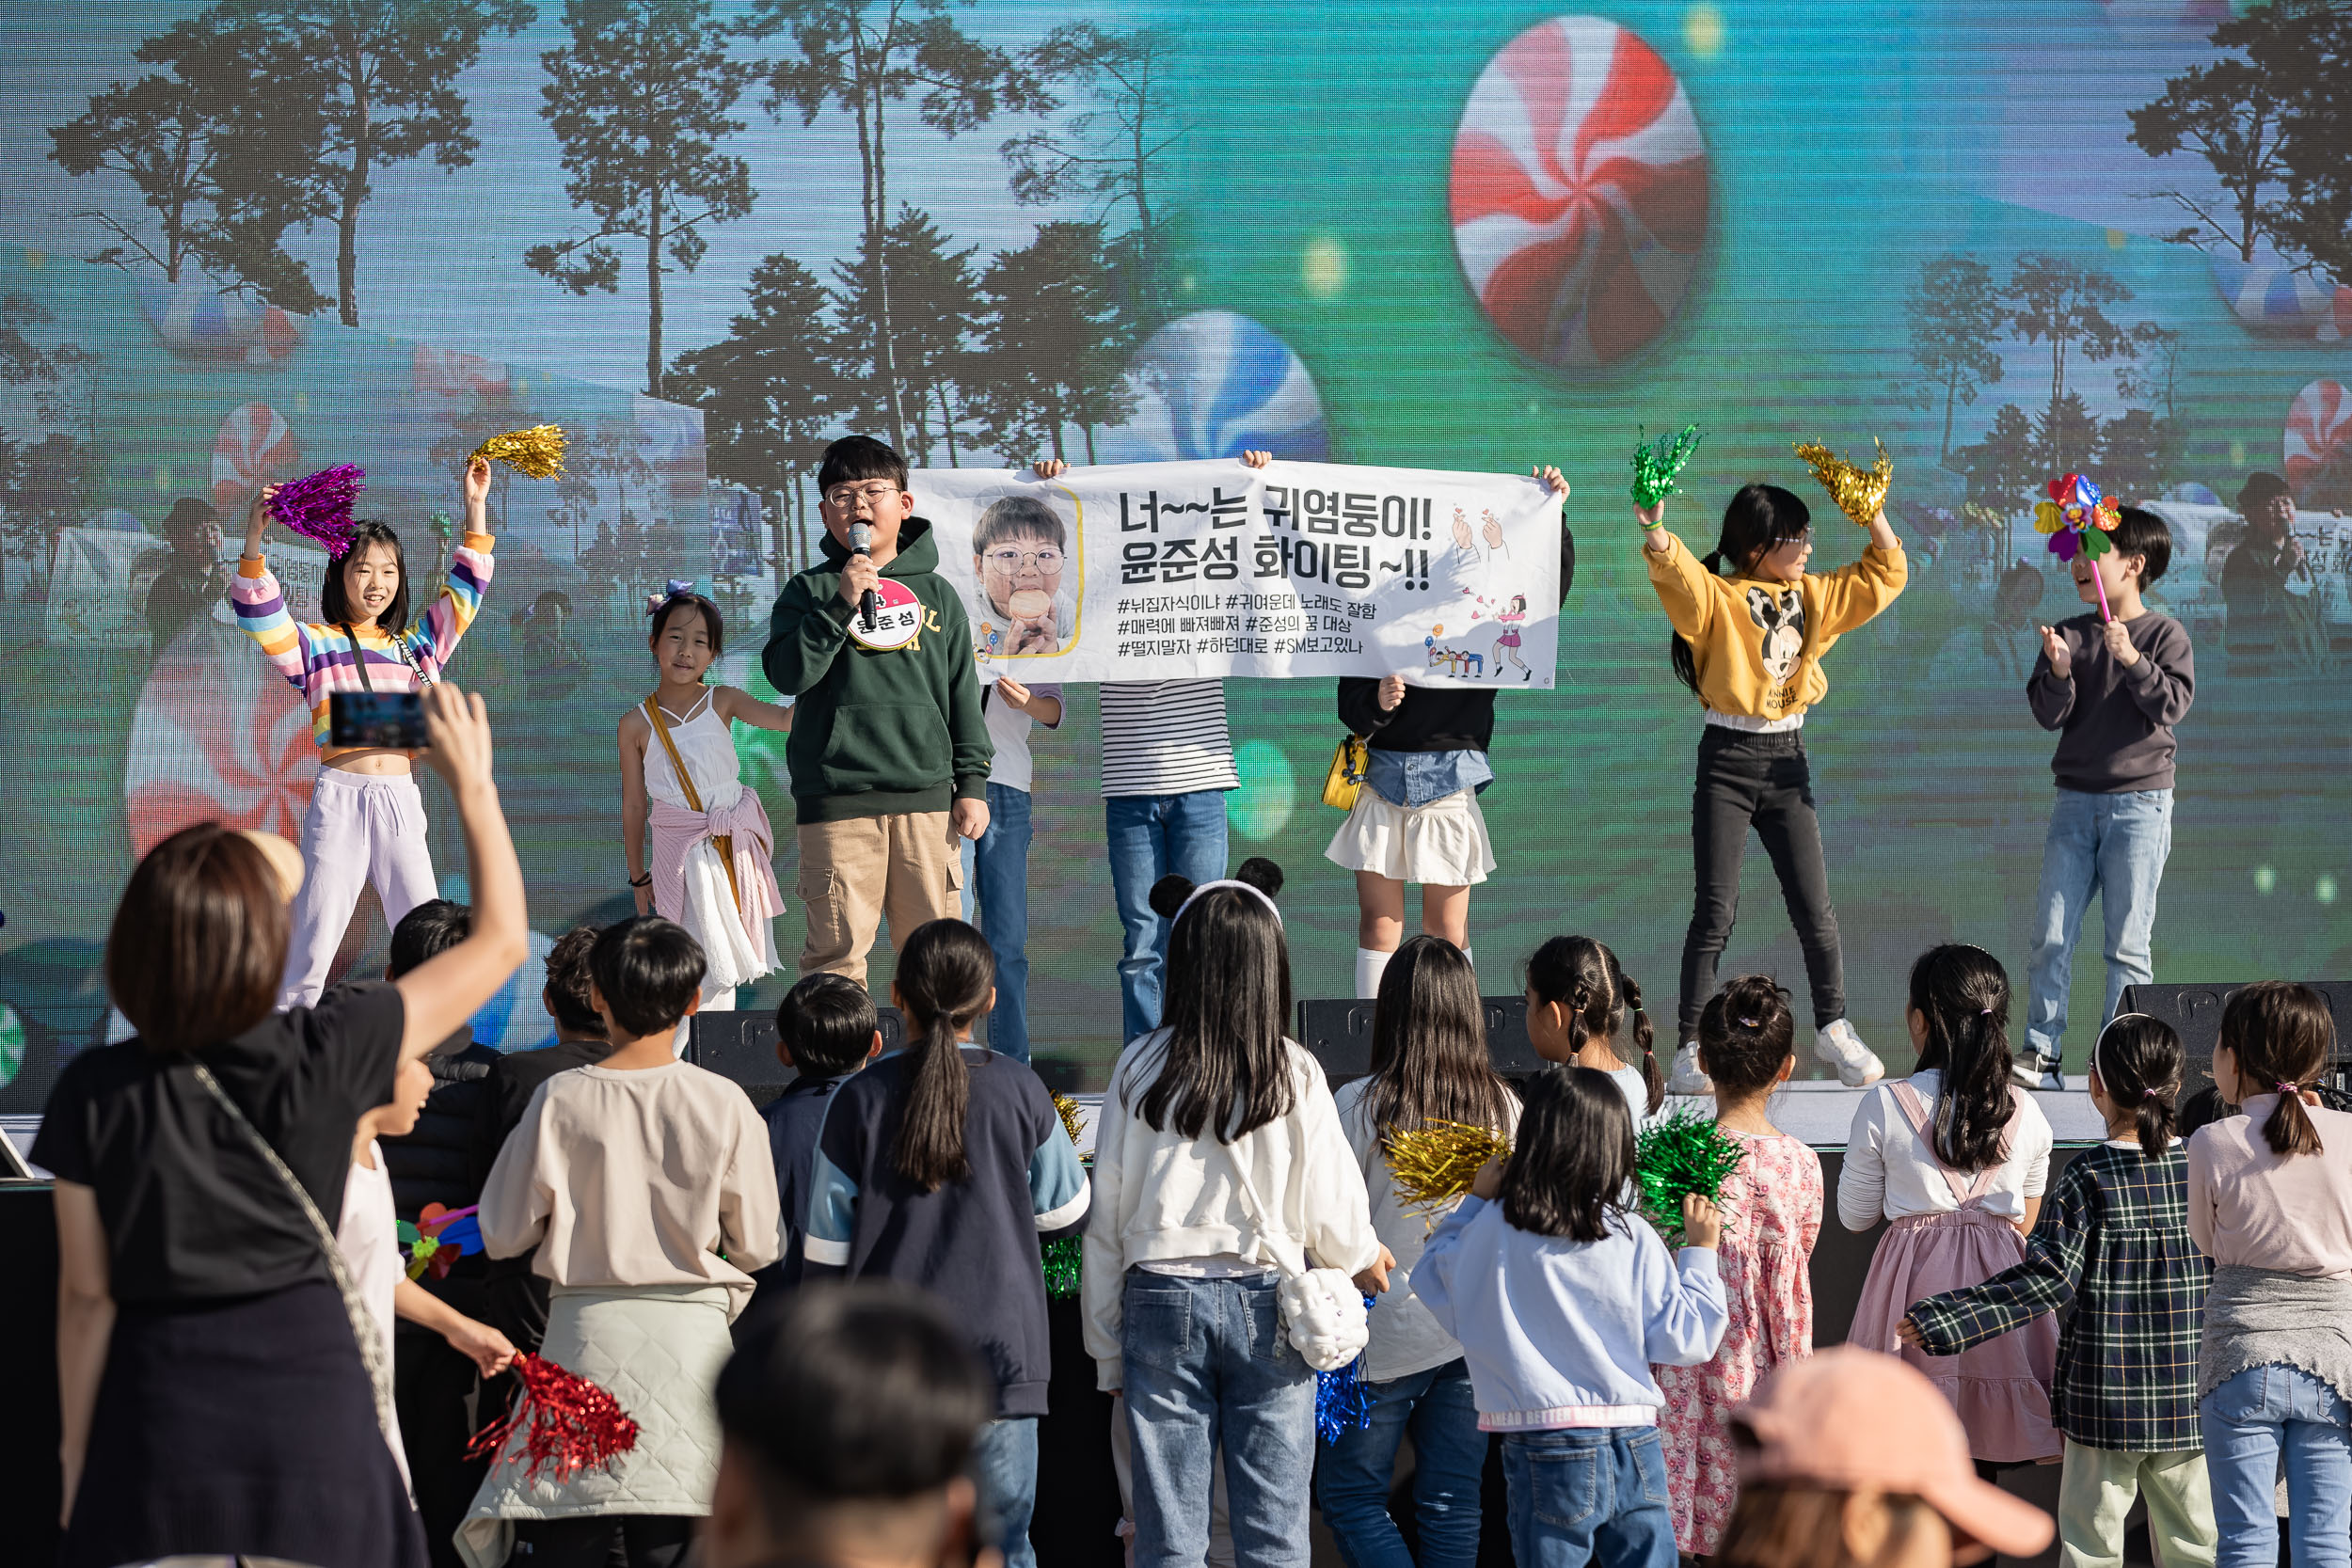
1342 1403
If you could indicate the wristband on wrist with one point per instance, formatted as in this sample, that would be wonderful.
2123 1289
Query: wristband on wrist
645 880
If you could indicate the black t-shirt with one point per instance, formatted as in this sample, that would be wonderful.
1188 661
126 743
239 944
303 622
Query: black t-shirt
191 1208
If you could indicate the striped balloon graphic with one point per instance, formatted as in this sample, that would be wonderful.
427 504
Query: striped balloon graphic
1579 192
254 446
1215 384
2267 296
2318 445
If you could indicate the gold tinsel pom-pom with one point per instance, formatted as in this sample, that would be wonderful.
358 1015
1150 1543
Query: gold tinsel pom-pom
1433 1165
1067 1109
534 453
1860 493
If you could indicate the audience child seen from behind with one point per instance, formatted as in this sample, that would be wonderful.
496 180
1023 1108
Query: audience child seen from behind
825 1031
2113 1252
366 820
1750 647
711 868
2113 682
645 1184
940 1165
889 754
1562 1300
1773 1195
848 1421
214 1391
1429 1063
1219 1165
516 1297
2270 1202
1578 1000
1417 818
1957 1157
368 1236
1850 1459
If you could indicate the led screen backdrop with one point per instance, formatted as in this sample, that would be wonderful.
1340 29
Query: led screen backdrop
1466 236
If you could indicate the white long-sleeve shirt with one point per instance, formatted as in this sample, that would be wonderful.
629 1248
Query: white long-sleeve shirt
1889 1173
1160 1196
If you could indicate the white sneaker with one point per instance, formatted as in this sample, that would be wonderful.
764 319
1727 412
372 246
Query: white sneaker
2033 1070
1689 1077
1840 1046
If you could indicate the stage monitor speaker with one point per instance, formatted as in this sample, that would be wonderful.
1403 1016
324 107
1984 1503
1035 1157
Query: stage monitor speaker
2194 1013
1339 1031
742 1046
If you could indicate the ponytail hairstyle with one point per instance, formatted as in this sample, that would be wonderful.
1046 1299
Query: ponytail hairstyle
1963 993
1745 1033
1584 977
1759 517
1225 1062
2138 1060
1571 1164
2283 1038
335 606
941 986
1429 1057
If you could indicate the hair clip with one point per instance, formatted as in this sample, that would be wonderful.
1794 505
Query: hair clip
672 589
1751 1023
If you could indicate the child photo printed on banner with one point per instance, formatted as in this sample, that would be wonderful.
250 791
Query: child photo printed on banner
1205 569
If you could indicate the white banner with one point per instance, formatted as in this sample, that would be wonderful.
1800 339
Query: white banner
1164 571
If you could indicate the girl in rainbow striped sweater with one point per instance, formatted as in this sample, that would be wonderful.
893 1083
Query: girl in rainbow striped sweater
366 821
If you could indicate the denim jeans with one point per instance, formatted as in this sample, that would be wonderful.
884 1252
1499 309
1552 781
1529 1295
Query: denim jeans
2246 1422
1004 1466
1151 835
1206 1364
1589 1493
1450 1456
2113 846
1764 781
996 891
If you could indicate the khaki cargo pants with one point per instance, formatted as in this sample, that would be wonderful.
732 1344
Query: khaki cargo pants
855 872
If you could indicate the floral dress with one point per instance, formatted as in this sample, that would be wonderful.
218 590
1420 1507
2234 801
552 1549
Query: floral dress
1771 1216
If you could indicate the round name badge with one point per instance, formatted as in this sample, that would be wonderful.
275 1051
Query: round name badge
897 616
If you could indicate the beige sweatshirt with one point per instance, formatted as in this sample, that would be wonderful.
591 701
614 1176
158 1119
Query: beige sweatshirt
643 1177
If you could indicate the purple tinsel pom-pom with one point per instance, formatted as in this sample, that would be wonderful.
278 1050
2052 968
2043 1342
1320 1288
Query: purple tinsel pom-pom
318 506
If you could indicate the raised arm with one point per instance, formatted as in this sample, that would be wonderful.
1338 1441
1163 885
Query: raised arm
805 634
261 603
1680 577
2050 689
1851 594
453 608
449 988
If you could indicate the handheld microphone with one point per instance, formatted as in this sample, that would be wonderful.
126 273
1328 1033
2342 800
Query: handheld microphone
862 543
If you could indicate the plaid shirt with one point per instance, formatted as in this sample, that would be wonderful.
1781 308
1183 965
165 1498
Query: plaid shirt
2113 1243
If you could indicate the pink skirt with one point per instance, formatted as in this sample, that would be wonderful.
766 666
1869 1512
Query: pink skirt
2002 1387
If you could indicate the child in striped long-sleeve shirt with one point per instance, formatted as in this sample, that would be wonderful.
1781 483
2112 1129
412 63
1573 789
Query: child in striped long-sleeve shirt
366 821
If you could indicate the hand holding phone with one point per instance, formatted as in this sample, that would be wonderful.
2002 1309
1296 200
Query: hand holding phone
393 720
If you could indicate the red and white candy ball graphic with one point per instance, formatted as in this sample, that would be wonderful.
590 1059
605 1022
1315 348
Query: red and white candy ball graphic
2318 445
254 446
1578 191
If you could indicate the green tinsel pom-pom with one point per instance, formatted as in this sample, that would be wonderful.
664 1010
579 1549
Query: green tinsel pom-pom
1656 463
1061 1262
1680 1154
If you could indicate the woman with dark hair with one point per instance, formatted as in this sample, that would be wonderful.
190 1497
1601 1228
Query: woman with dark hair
2270 1202
1750 646
1429 1064
223 1391
1957 1157
942 1166
366 821
1219 1165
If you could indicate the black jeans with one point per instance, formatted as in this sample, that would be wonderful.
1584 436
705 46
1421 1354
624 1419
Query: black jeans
1762 780
602 1541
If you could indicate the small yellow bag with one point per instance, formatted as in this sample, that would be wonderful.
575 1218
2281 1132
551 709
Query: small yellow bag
1350 762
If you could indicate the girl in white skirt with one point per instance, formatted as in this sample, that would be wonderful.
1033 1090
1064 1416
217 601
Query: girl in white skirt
1417 818
711 865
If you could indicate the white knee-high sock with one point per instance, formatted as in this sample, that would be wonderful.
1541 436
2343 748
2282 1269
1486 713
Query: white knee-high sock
1370 964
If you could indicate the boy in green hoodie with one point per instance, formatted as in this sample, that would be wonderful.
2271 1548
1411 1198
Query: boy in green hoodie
889 754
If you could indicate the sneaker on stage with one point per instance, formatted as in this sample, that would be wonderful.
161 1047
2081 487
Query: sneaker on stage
1842 1048
2033 1070
1689 1077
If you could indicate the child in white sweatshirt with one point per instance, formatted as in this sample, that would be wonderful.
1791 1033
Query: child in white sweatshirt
1563 1300
1216 1153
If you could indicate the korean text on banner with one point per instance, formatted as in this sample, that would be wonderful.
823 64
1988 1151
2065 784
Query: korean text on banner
1166 571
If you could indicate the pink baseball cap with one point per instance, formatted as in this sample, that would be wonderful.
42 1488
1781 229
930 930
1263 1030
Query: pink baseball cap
1852 1418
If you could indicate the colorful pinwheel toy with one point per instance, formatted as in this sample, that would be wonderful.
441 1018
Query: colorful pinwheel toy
439 1238
2078 519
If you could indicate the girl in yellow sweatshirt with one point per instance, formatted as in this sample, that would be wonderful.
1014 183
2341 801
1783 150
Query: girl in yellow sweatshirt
1750 644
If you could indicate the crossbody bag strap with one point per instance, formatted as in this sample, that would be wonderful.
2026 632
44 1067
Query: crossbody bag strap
724 842
358 659
364 1327
1263 1241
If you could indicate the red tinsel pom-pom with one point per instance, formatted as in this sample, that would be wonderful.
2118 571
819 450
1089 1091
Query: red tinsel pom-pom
318 506
568 1423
